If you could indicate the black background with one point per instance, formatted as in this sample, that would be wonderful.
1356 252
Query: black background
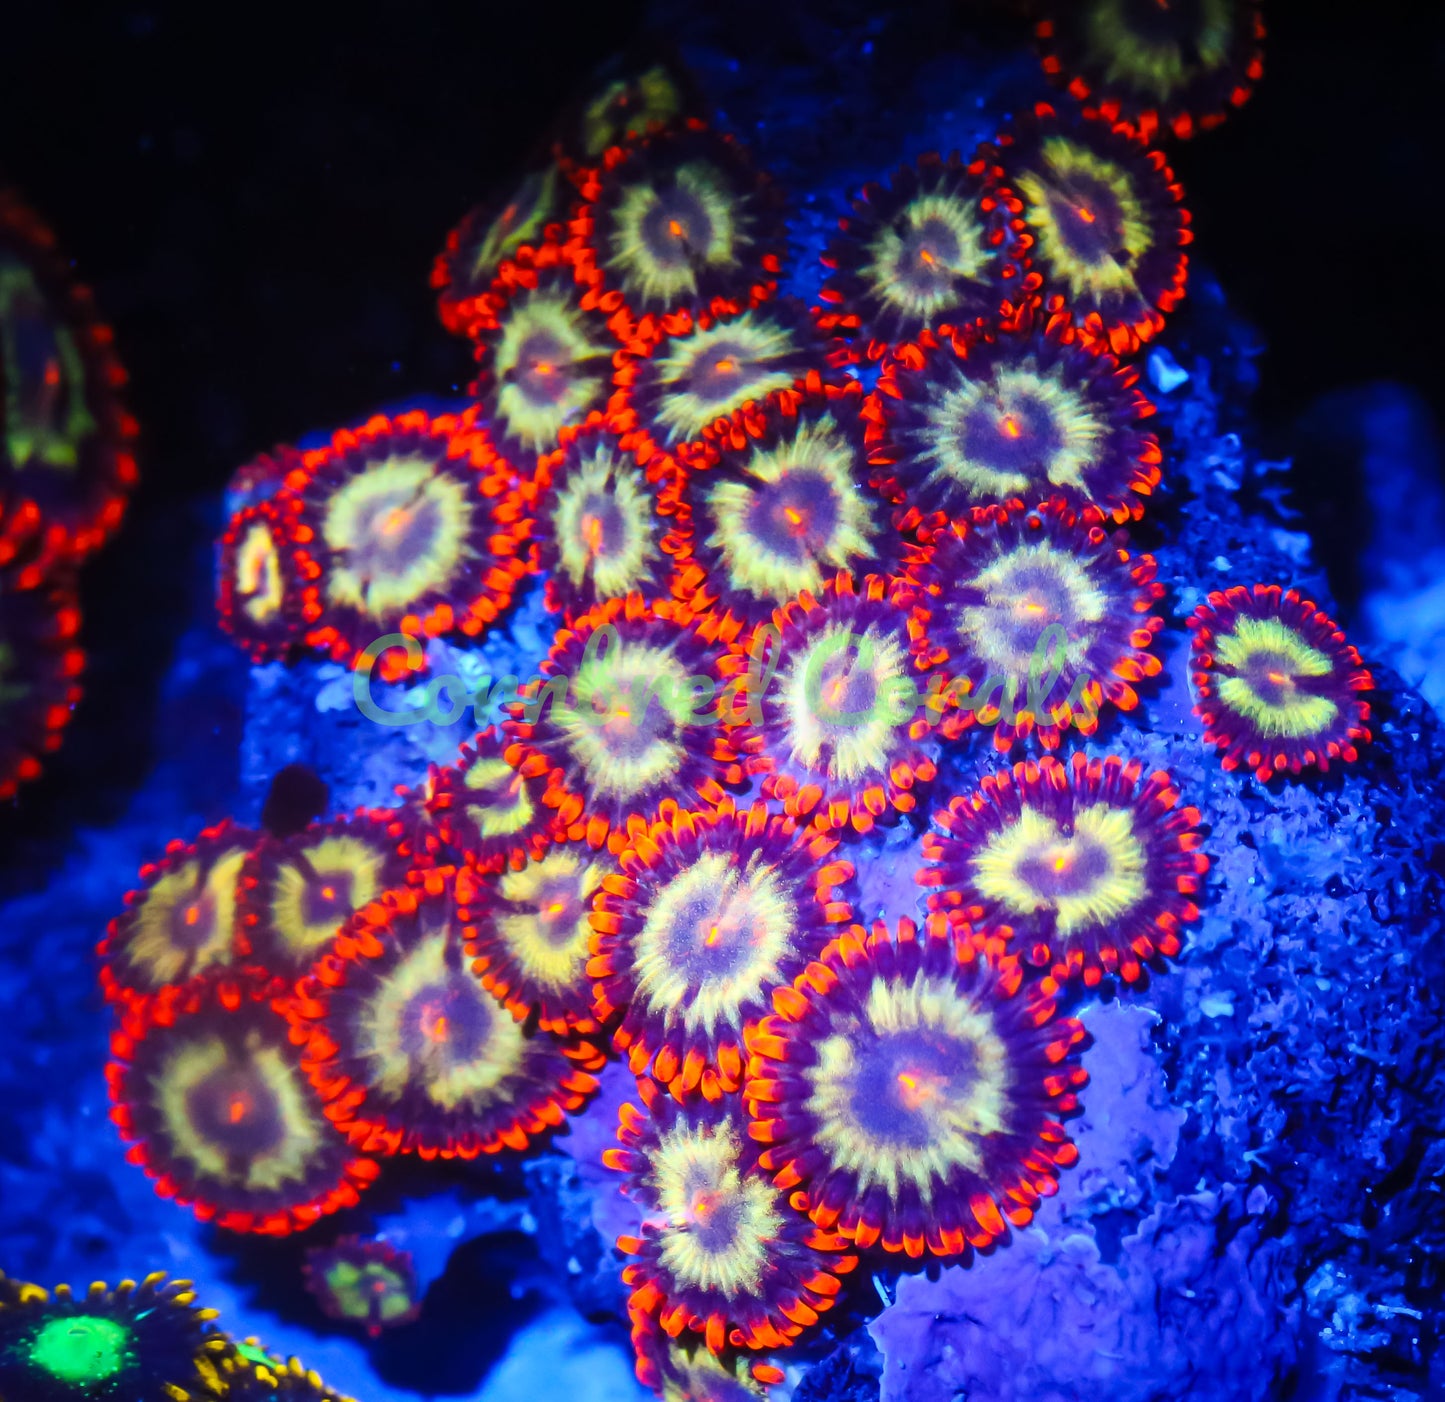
258 202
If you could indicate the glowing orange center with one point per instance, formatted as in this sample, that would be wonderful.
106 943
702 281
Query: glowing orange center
1011 427
674 227
726 366
434 1025
328 893
705 1206
556 908
1061 862
916 1090
543 367
1278 678
238 1108
193 913
714 933
52 374
927 257
395 520
592 533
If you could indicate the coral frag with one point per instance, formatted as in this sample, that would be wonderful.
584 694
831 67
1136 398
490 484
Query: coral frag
529 934
998 416
183 923
365 1282
681 221
297 892
1086 868
704 383
600 531
465 274
712 910
544 353
483 808
911 1091
258 590
1278 685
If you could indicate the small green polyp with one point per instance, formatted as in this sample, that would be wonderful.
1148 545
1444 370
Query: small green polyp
82 1348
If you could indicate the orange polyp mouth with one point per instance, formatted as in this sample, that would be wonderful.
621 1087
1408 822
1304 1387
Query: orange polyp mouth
1278 678
193 913
395 521
1061 863
238 1109
916 1091
713 935
434 1027
1011 427
543 367
726 366
1086 214
328 893
926 257
674 227
592 534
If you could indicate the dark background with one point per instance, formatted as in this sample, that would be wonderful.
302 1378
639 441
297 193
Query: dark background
257 195
258 204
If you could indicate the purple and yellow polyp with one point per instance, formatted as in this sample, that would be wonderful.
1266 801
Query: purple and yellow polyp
413 1055
298 892
711 911
210 1093
1037 619
922 252
840 735
1101 230
398 531
624 720
1278 685
1086 869
1004 416
720 1251
911 1093
600 530
787 510
183 923
530 934
486 810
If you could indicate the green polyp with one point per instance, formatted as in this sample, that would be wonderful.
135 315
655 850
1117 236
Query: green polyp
252 1354
81 1348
